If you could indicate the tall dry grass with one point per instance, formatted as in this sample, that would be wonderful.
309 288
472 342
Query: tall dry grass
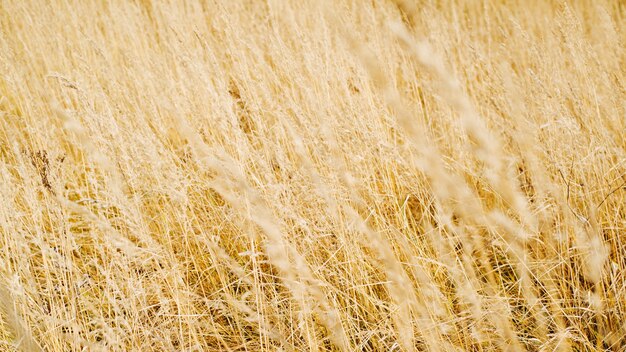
321 175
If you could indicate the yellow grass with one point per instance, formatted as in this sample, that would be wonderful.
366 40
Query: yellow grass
318 175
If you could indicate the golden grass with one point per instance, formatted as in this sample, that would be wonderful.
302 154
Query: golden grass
312 176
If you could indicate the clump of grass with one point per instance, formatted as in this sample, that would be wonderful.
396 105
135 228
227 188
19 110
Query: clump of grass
261 176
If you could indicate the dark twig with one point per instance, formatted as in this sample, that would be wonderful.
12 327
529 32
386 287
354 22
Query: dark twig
623 185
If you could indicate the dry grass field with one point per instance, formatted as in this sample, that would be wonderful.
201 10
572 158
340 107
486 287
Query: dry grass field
283 175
